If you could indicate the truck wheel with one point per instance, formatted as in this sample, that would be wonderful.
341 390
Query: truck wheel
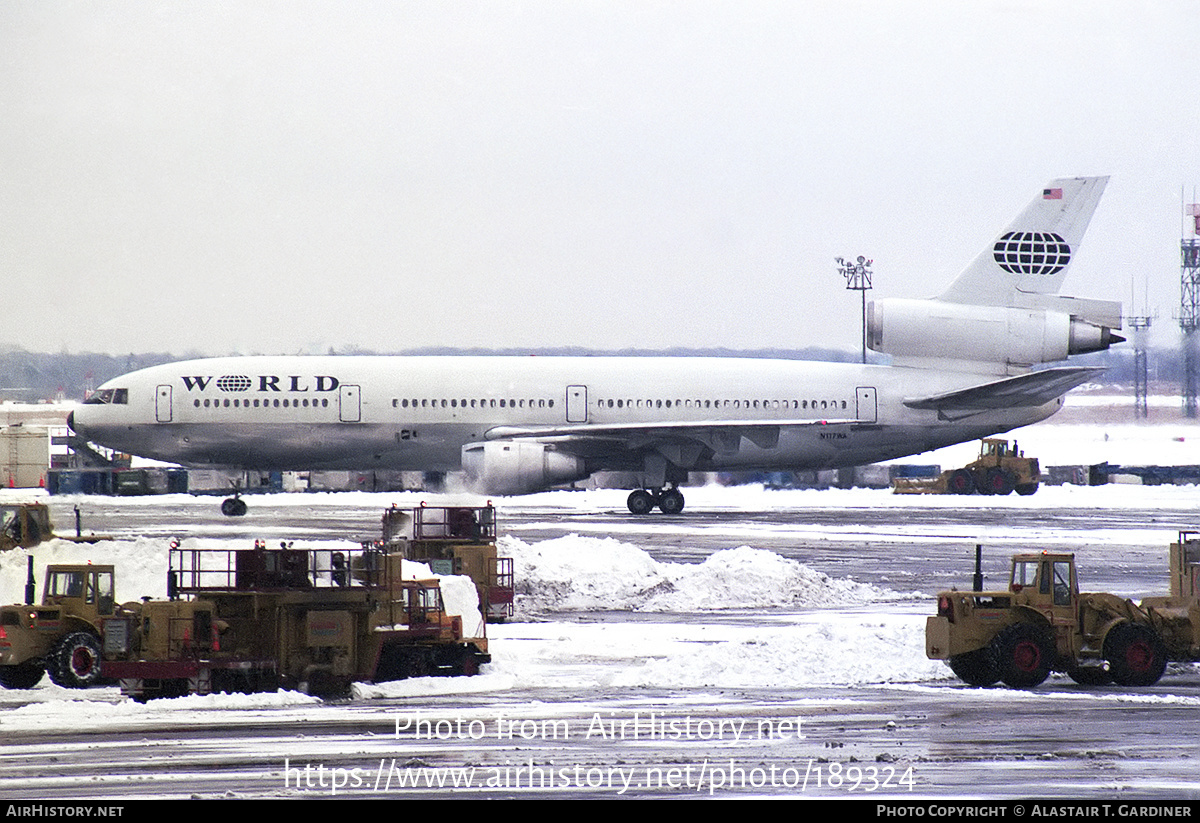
999 481
24 676
961 481
1021 654
1135 655
1026 489
975 668
417 663
75 662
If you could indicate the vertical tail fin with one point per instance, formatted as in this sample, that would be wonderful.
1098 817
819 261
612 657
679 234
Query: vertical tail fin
1003 314
1033 254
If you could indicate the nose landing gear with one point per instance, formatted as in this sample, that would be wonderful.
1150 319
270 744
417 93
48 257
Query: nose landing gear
233 506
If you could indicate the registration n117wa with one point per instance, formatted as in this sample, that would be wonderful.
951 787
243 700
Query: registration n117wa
966 364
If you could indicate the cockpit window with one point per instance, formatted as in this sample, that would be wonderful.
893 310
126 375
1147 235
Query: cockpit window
119 397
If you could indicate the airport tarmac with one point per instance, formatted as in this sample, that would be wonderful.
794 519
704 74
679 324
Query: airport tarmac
787 700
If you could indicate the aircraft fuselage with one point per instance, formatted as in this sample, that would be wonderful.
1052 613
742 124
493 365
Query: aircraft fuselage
416 413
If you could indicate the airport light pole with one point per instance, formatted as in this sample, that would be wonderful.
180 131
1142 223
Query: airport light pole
858 278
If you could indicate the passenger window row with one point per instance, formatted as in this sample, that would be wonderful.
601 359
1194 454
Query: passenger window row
486 403
275 402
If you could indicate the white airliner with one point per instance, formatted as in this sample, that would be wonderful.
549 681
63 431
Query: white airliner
962 367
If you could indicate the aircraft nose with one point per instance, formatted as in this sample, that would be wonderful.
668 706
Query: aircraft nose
71 421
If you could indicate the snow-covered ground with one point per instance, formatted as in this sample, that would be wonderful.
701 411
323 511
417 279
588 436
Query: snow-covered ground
754 603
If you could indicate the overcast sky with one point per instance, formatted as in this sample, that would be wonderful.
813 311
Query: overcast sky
284 177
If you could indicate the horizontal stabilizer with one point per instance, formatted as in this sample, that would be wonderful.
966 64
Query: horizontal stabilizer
1032 389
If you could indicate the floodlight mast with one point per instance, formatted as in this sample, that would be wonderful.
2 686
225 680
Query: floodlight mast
858 278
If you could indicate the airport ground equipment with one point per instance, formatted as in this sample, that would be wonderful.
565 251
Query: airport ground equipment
455 540
1001 468
257 619
25 525
1043 623
61 635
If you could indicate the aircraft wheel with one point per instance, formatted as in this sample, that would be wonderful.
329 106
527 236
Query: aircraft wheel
1000 481
961 482
24 676
975 668
1135 655
640 501
75 662
671 501
1022 654
233 507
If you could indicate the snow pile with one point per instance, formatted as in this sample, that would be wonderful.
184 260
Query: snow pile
833 652
575 573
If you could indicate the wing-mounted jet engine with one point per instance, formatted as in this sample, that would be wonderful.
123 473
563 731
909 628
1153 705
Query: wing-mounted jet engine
519 466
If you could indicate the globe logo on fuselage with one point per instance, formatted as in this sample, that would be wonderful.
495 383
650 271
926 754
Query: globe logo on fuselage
233 382
1029 252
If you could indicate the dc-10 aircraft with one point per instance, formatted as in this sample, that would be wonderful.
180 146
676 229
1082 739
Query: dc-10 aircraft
963 367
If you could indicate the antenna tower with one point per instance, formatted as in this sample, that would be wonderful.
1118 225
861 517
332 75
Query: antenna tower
1189 308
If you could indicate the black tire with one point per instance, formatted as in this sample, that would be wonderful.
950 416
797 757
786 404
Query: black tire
1135 654
469 667
75 662
24 676
417 663
1026 489
233 507
975 668
1022 655
327 685
1090 676
671 501
961 481
640 501
998 481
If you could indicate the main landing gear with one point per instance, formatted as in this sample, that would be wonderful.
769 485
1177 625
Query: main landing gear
643 501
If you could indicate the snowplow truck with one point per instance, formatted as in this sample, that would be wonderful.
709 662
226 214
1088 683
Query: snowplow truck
25 525
260 619
1001 468
61 635
1043 623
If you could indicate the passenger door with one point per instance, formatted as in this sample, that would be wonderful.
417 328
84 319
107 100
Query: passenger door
349 404
162 404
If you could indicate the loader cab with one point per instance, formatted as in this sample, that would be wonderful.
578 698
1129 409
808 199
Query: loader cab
81 590
1045 579
994 449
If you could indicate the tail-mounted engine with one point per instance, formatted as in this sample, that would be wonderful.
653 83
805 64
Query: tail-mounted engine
962 335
